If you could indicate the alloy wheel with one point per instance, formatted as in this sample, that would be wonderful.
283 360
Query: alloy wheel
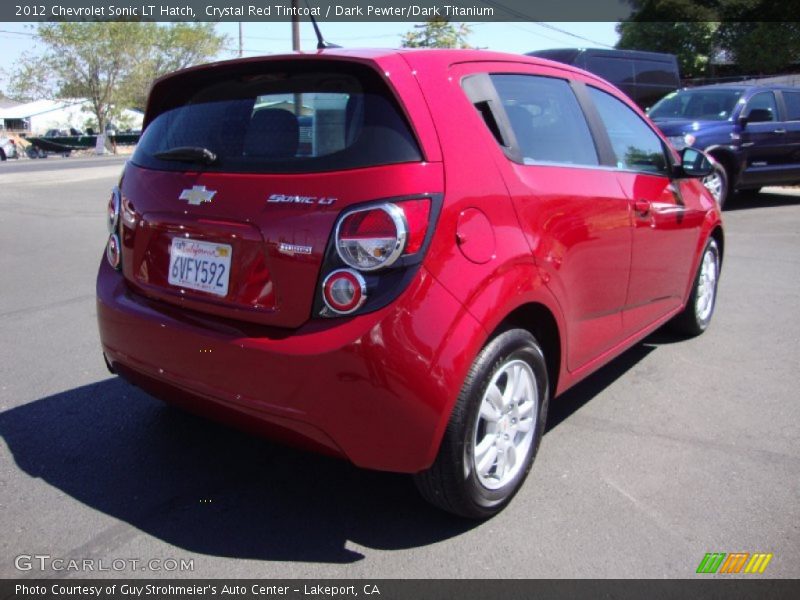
505 425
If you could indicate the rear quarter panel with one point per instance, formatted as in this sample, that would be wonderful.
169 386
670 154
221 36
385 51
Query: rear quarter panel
509 277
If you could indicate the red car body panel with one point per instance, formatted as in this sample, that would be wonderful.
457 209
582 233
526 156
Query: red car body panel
268 287
340 385
610 255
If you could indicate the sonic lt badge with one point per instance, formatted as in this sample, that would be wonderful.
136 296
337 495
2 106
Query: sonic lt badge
296 199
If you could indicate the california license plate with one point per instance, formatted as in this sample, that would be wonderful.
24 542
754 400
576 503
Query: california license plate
202 266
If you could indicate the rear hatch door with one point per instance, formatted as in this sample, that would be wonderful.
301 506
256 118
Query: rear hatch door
232 194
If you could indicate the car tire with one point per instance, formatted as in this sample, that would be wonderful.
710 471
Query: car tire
2 155
696 315
718 184
494 430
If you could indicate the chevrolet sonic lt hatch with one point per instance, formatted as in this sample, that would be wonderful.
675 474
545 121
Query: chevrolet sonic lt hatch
399 257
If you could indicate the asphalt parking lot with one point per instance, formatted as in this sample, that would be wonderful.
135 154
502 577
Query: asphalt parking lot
676 449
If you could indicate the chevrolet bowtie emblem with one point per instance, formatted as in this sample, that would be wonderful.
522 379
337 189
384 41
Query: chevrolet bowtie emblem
197 195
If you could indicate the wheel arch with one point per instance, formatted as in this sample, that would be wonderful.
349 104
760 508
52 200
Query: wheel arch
719 237
728 160
711 228
540 321
527 303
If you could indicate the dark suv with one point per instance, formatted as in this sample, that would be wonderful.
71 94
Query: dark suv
644 76
753 132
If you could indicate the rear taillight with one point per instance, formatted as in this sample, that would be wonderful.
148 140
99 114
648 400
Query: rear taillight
113 210
113 252
417 214
344 291
382 243
113 246
373 238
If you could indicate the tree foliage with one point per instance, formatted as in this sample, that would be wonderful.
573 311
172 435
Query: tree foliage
756 34
177 46
110 64
438 33
692 42
759 35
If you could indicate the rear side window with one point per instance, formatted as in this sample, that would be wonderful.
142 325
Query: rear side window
617 71
546 120
280 117
635 145
651 72
792 101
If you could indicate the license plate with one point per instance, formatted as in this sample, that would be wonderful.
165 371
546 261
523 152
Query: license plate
202 266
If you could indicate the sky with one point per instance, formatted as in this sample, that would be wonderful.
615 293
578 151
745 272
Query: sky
272 38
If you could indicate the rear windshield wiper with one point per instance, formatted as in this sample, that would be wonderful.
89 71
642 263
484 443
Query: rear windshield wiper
188 154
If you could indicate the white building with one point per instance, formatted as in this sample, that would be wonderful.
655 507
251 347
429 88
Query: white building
40 115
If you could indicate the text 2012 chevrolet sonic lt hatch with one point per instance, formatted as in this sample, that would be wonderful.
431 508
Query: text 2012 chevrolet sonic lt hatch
399 257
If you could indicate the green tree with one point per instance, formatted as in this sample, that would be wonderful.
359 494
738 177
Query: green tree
438 33
754 49
692 42
111 65
757 36
754 33
174 47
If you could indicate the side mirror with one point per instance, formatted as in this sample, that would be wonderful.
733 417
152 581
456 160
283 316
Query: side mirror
695 163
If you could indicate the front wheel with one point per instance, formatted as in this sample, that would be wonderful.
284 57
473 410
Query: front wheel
494 431
696 316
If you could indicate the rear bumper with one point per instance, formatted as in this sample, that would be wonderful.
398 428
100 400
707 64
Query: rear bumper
376 389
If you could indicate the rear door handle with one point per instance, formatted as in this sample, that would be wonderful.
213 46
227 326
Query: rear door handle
642 207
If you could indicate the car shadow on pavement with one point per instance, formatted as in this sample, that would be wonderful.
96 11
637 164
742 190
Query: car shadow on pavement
210 489
746 200
568 403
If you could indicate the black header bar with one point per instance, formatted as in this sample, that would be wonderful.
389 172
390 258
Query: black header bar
322 10
392 589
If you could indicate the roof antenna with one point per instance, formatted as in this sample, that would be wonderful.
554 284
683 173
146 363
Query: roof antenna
321 43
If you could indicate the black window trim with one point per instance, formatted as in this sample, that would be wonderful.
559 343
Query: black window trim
479 88
602 142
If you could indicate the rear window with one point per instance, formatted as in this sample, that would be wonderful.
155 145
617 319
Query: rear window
278 118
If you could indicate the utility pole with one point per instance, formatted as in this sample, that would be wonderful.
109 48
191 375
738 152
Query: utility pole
241 49
298 98
295 27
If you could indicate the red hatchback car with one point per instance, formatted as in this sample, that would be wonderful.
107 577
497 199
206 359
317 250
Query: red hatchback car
398 257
